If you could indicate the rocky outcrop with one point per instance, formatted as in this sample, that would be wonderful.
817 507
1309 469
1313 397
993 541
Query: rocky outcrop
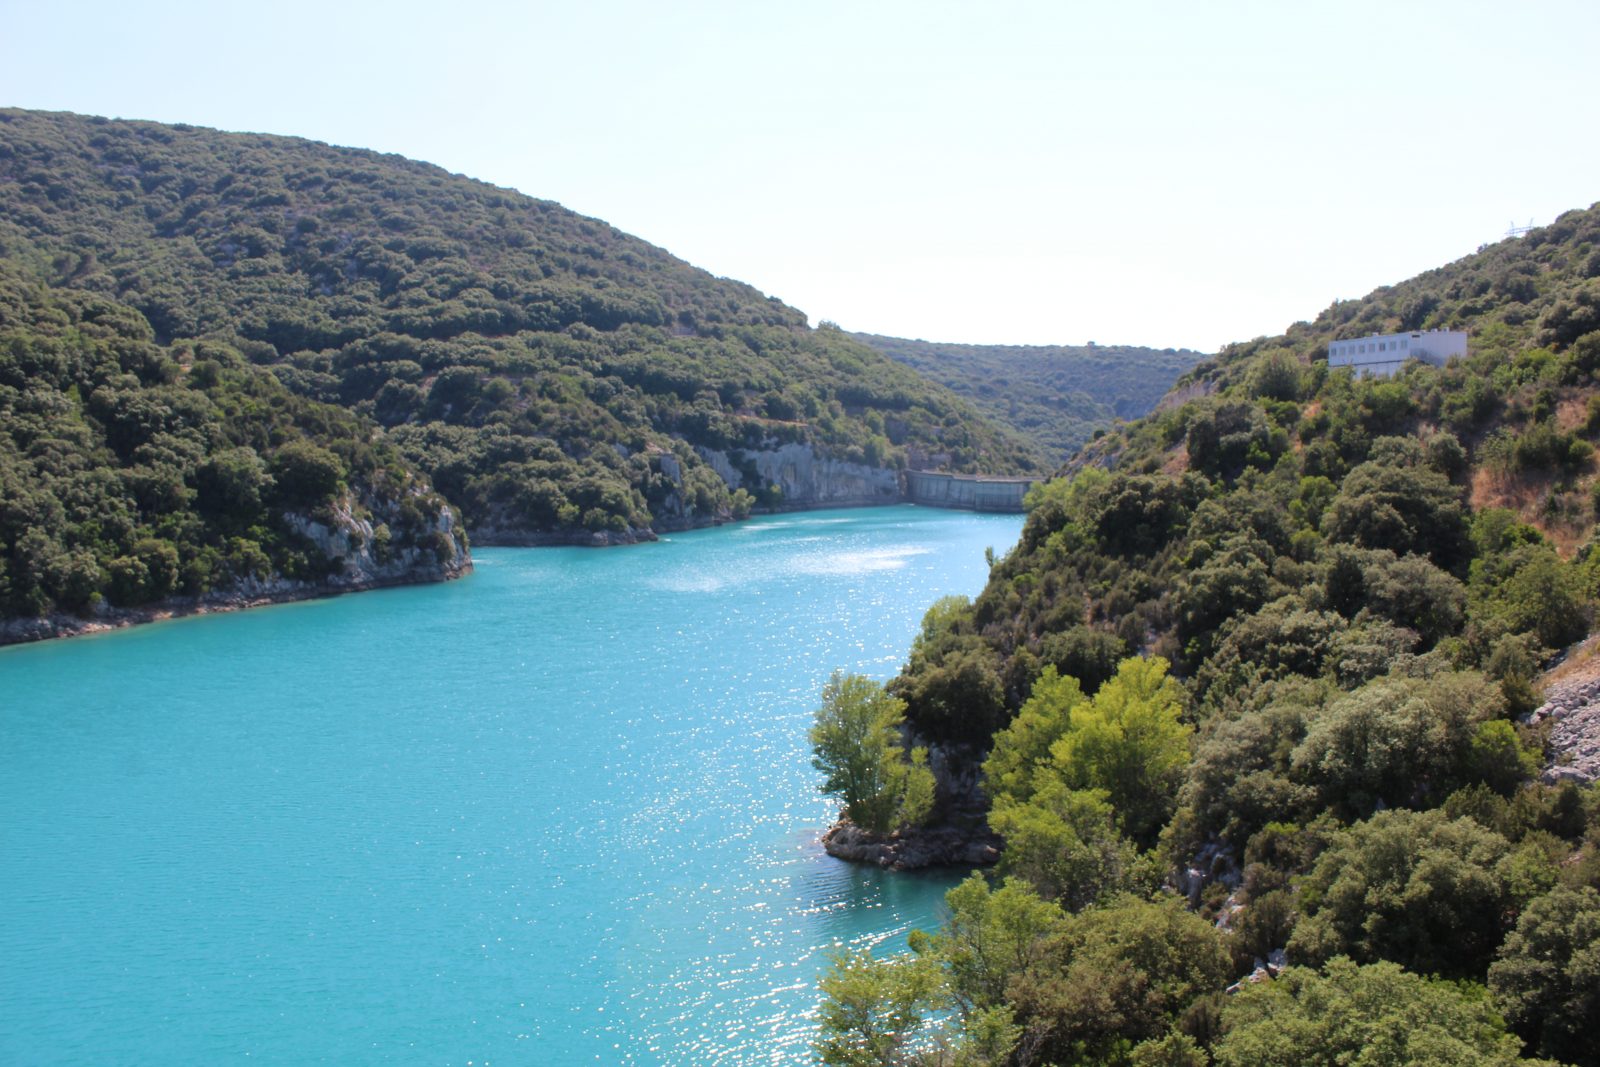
912 849
1572 707
1214 862
805 479
363 554
1180 395
1266 970
369 554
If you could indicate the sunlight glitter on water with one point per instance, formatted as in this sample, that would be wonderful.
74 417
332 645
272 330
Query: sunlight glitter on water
565 804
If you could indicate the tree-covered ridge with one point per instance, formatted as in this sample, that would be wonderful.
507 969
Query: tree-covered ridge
1356 583
548 371
132 472
1056 396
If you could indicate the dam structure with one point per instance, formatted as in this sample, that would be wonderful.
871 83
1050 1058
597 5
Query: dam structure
967 492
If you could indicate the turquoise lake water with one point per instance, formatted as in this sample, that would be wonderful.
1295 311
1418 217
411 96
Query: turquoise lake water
560 811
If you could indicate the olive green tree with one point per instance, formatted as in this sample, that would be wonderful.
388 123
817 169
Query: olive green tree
873 1011
1547 979
856 743
1131 742
1417 888
1377 1014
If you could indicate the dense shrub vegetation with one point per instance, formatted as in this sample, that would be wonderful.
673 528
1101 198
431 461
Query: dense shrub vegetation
131 472
1057 396
547 371
1355 584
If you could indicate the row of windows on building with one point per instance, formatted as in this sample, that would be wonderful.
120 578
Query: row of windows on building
1371 346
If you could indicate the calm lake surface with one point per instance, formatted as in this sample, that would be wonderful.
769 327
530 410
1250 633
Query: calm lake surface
561 811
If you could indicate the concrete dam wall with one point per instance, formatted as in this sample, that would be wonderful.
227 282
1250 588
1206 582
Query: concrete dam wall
808 480
969 492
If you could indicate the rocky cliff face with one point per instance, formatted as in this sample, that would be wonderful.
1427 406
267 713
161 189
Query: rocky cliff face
368 544
803 480
402 545
806 479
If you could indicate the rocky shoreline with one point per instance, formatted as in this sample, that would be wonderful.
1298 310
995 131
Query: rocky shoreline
360 578
437 552
912 849
491 536
254 595
495 536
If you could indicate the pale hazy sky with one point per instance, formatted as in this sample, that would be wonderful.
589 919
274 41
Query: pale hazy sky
1052 173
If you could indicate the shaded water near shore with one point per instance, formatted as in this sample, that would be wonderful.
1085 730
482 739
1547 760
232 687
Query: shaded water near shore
560 811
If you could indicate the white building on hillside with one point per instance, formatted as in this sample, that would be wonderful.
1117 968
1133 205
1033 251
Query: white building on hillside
1382 354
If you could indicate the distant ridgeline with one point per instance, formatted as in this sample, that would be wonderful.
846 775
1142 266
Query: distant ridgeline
557 380
1056 396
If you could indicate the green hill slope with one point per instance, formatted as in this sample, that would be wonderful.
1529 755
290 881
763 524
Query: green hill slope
134 474
1056 396
1355 584
554 376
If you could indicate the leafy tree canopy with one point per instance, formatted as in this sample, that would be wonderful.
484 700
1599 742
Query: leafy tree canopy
1373 1014
857 745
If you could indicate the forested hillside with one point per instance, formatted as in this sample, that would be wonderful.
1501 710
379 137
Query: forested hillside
1270 645
134 474
551 374
1056 396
